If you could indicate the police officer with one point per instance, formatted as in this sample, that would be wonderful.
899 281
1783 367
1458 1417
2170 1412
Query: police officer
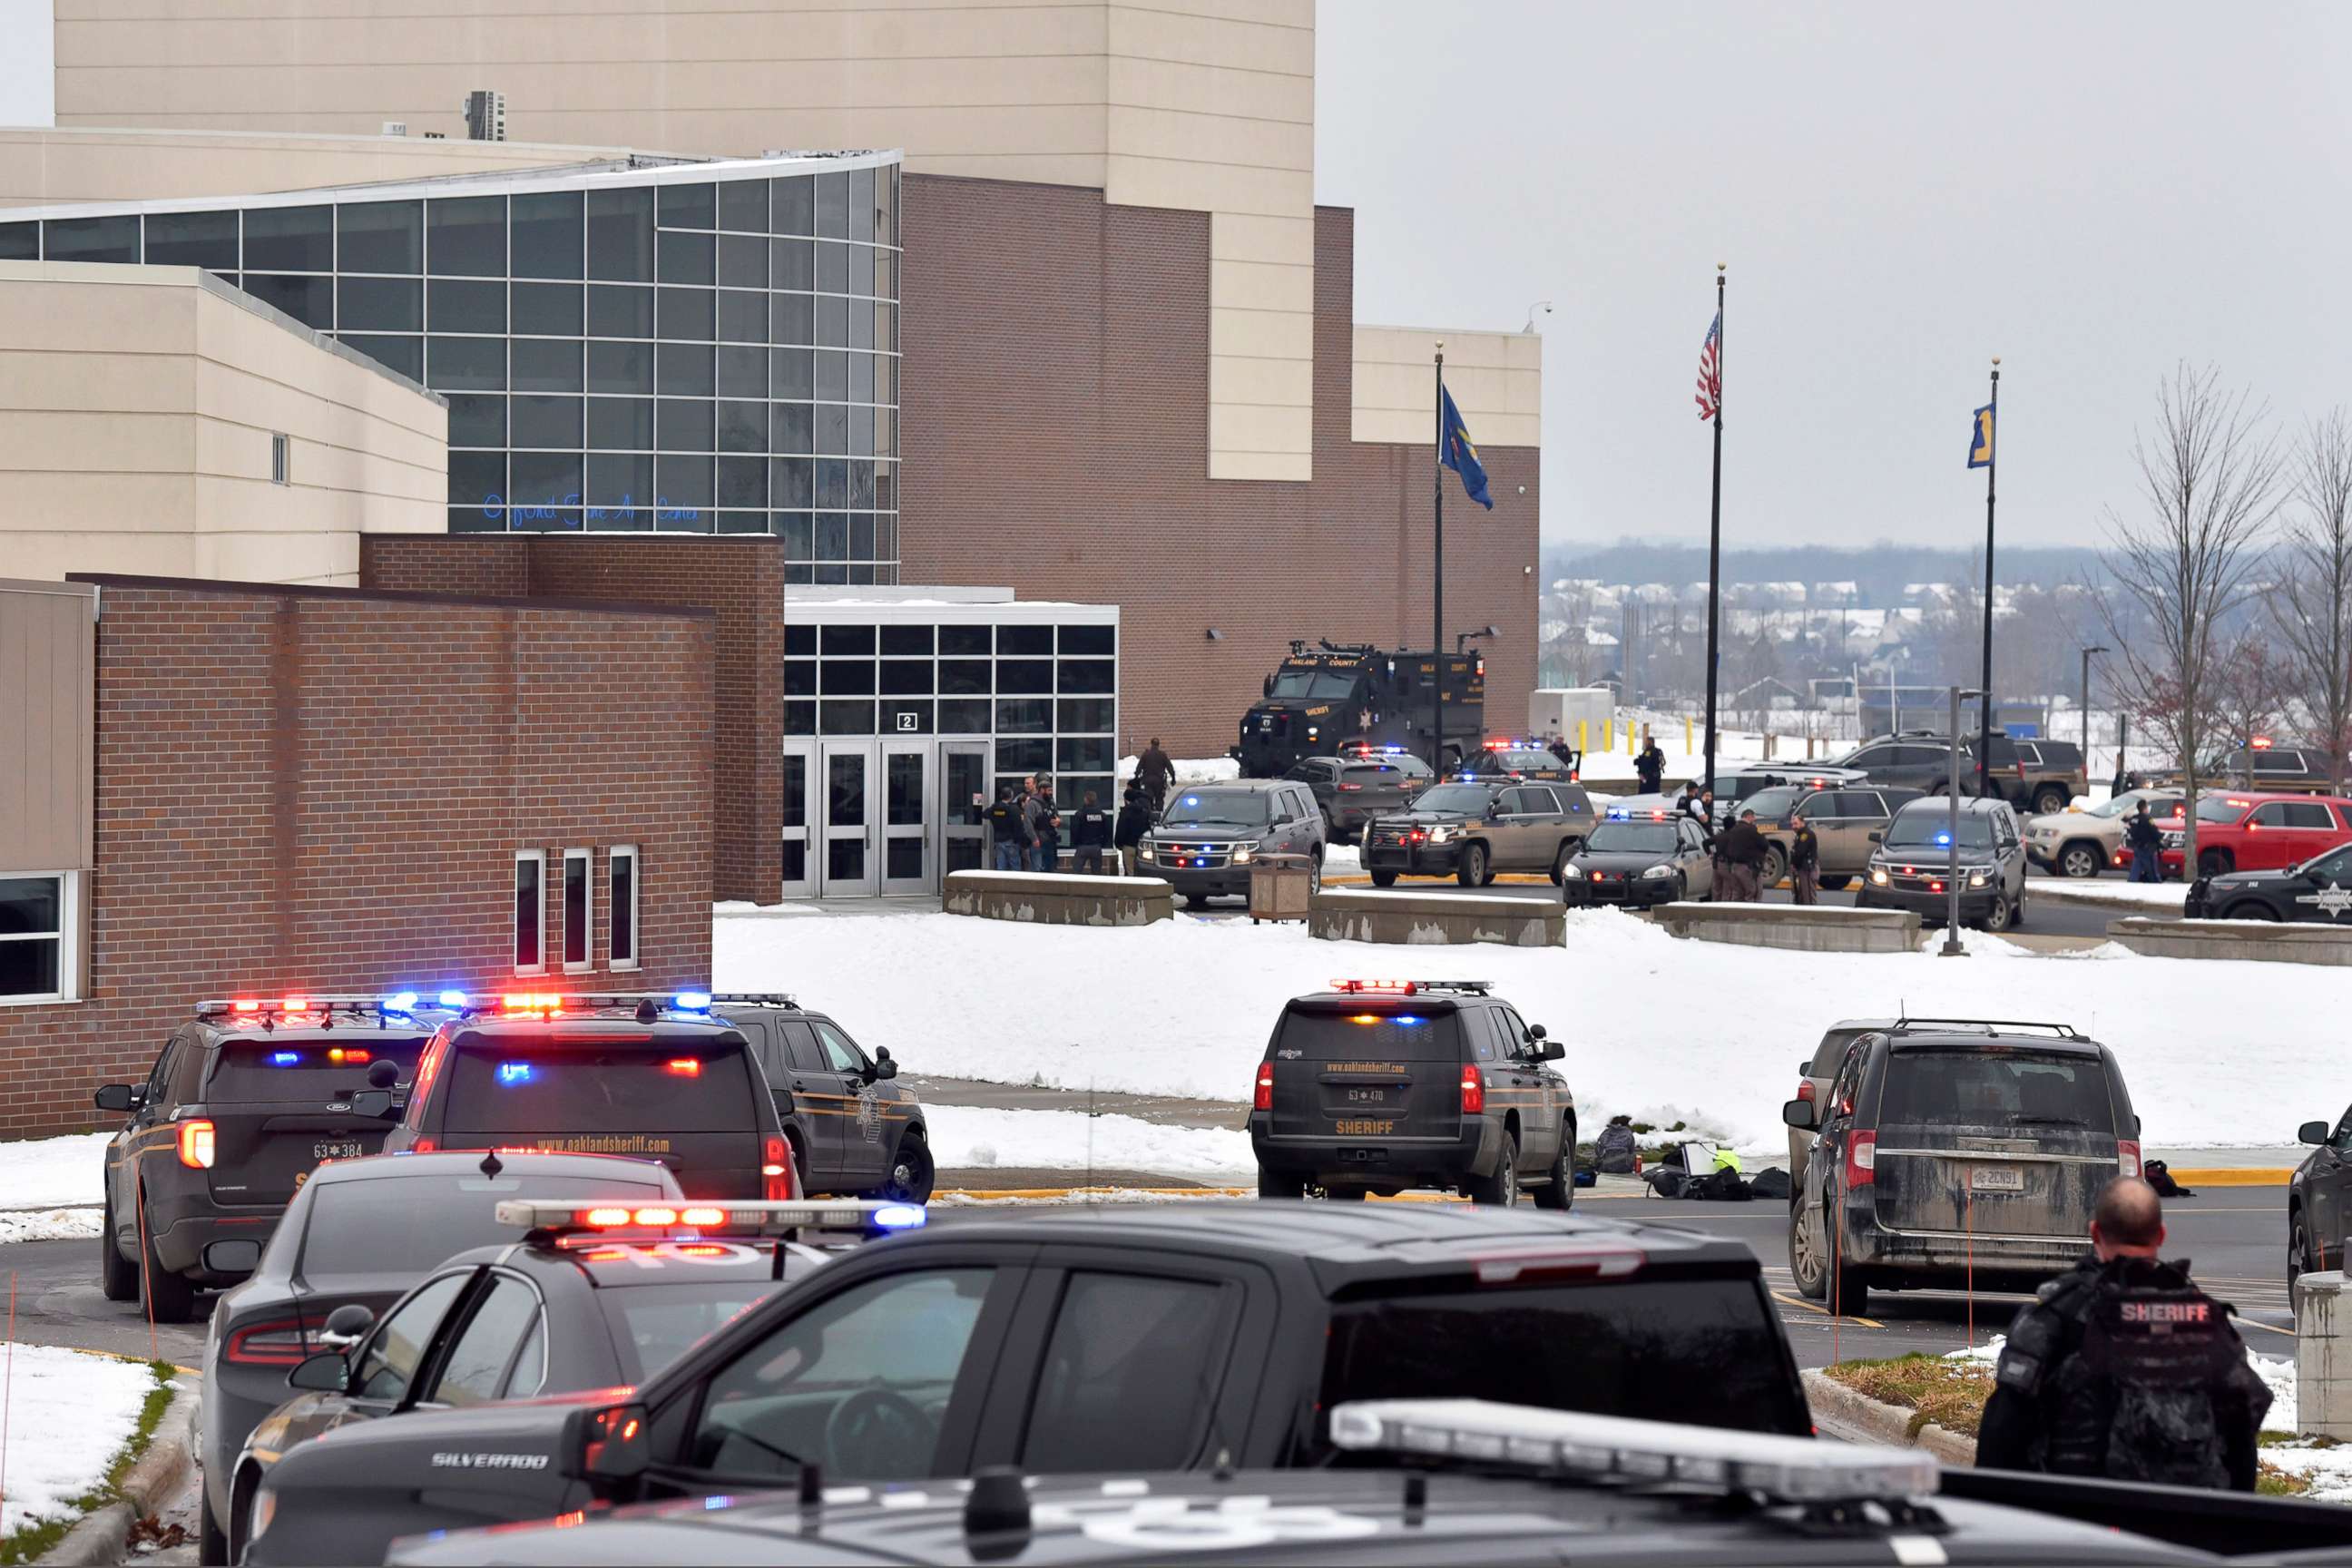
2123 1368
1650 766
2146 842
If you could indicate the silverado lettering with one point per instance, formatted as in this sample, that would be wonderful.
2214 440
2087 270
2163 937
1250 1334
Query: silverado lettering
489 1461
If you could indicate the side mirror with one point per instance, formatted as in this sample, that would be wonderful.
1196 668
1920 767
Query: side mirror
886 1068
376 1105
326 1373
1878 838
1266 687
383 1074
1799 1113
607 1444
346 1326
1549 1050
121 1096
2312 1132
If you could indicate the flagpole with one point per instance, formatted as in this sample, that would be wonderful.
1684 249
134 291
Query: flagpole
1714 539
1437 555
1984 701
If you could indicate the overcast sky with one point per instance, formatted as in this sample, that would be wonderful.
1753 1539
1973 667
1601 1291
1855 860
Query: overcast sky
2091 191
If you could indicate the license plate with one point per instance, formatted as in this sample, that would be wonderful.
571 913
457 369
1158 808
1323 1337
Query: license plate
1367 1096
1997 1179
344 1151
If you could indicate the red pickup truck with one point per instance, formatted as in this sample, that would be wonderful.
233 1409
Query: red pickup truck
2241 831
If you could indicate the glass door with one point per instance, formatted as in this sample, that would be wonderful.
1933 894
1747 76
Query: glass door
799 853
905 817
847 832
964 796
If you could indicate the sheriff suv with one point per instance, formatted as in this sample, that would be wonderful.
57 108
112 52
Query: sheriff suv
1375 1086
618 1074
852 1127
244 1101
1471 831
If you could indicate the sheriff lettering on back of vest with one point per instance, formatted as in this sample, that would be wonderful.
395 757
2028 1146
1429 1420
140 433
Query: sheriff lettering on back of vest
2123 1368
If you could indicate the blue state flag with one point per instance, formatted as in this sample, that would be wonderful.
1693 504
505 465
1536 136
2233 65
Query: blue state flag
1980 438
1457 452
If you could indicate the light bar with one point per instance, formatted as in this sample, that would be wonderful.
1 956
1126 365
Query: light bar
560 1215
1784 1468
397 1004
1407 987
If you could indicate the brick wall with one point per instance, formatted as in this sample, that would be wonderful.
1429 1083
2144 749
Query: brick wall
322 791
1055 429
740 580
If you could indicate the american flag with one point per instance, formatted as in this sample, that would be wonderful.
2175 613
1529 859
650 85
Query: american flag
1710 371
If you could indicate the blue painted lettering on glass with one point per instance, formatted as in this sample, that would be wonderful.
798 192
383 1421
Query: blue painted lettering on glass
495 507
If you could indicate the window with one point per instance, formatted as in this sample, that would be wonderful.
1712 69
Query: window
2310 814
475 1365
1129 1375
579 865
280 455
391 1357
2270 813
839 1053
38 946
531 912
621 905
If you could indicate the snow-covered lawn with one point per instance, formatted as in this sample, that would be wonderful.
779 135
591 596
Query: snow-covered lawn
68 1415
69 1170
2165 896
969 1137
1661 1028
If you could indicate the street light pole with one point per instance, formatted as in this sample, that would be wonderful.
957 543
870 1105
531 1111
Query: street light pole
1984 698
1952 948
2086 711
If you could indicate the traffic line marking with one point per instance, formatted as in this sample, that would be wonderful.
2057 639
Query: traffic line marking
1824 1311
2233 1177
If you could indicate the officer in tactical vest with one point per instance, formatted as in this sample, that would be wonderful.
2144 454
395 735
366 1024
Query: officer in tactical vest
2123 1368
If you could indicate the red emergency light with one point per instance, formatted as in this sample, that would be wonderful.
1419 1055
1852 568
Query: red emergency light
550 1002
1387 988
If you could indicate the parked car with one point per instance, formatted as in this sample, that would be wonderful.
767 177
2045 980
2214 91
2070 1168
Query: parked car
2283 769
1208 836
2240 831
1351 789
2319 890
1472 830
1518 760
1913 862
1637 860
1842 816
1814 1073
1956 1155
2319 1201
851 1126
2087 842
1735 787
2033 775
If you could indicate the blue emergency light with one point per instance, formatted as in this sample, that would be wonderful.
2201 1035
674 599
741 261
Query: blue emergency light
512 1073
284 1058
1944 838
899 1216
453 999
401 1002
692 1001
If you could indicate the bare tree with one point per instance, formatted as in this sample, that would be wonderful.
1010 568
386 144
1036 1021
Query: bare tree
2209 481
2313 604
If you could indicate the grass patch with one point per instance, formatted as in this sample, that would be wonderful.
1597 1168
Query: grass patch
2271 1481
29 1542
1951 1393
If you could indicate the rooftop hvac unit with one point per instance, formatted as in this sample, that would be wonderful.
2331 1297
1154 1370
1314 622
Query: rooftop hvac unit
485 116
396 127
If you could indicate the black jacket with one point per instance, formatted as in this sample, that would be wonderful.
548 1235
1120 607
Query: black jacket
1090 828
2125 1370
1153 770
1650 767
1134 822
1007 824
1740 844
2142 833
1804 850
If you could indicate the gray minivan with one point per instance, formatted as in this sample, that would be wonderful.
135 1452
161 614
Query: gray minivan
1956 1155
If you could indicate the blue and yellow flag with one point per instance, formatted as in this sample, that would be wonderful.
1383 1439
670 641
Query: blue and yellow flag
1980 438
1458 451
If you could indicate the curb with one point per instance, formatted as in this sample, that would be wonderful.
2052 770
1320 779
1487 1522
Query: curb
1880 1423
104 1537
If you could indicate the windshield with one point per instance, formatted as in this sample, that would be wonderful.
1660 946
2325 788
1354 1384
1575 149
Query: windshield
655 1324
1632 838
2128 801
533 1084
1524 761
1393 1033
306 1069
1317 684
1769 804
1240 808
2219 808
1931 829
406 1225
1467 799
1996 1086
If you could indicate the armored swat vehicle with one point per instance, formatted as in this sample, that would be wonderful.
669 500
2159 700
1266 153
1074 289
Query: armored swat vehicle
1334 698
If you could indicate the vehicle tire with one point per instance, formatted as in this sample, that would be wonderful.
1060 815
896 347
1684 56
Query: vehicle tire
170 1298
2215 862
1270 1186
1682 888
1501 1188
1559 1192
1835 884
2050 800
1997 918
2299 1261
1472 872
1849 1296
212 1541
1196 900
1315 873
1346 1194
912 1172
2247 909
800 1160
1559 861
240 1514
1808 1254
1776 866
2017 911
2080 860
1383 878
118 1277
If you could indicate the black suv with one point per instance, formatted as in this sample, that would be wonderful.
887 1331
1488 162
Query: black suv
1380 1085
1954 1155
1471 831
603 1074
2320 889
852 1128
244 1101
1120 1339
2035 776
1208 836
1354 788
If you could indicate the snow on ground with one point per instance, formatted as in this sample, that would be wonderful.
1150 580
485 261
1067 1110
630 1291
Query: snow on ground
69 1170
965 1137
68 1414
1190 770
2277 1374
2165 896
1657 1028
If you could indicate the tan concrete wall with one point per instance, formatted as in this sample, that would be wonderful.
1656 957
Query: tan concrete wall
137 406
1496 379
1206 105
39 165
49 670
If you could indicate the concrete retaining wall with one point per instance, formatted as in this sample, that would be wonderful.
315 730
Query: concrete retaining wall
1817 928
2261 940
2323 1357
1048 897
1436 918
1860 1418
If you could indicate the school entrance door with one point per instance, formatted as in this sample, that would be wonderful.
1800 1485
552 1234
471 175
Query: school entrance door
866 816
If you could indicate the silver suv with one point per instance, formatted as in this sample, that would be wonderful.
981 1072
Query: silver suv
1912 864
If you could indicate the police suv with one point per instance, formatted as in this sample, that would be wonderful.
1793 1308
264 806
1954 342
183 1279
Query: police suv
1376 1086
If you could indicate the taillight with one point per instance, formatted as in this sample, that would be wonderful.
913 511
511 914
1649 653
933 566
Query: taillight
776 1184
196 1145
280 1343
1861 1158
2127 1156
1349 787
1473 1091
1804 1089
1264 1099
